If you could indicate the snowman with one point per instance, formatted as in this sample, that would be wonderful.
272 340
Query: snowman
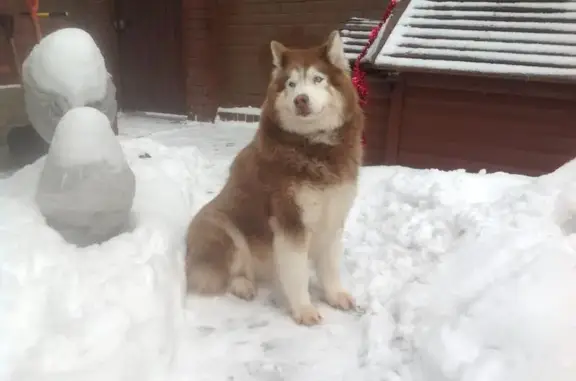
86 188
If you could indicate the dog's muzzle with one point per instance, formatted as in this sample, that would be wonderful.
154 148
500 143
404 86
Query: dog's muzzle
302 103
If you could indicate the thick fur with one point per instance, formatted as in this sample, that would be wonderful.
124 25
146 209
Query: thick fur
289 190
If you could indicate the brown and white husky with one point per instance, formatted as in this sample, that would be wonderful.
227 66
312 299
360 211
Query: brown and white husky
289 190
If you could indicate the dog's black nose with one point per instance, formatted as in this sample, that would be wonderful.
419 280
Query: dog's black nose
301 100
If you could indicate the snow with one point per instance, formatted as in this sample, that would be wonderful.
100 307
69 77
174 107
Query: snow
8 87
69 63
240 110
84 136
65 70
529 38
86 187
449 65
459 276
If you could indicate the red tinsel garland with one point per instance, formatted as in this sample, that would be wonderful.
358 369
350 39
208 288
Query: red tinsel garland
358 76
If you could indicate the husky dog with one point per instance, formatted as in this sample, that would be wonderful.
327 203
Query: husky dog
289 190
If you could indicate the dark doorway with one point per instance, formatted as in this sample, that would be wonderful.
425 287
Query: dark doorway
150 56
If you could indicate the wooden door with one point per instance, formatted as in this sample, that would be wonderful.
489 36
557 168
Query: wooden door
150 56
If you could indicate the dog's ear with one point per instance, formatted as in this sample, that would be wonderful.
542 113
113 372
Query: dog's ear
278 52
335 51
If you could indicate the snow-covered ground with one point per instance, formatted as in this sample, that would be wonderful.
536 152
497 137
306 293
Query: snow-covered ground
467 277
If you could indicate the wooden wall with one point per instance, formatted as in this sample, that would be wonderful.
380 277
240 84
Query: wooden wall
377 113
200 36
451 122
227 42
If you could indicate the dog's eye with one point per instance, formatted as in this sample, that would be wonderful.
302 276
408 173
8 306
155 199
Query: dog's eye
317 79
291 84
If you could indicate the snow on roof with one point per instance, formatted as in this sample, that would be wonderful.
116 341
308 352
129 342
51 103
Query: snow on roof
355 35
517 38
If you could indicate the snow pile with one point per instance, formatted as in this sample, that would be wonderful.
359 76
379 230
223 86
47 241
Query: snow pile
104 312
471 291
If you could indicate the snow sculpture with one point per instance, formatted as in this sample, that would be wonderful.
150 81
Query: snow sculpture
65 70
86 187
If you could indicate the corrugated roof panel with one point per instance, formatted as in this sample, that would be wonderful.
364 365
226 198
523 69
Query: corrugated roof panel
519 38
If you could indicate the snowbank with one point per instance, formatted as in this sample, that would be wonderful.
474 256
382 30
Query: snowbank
108 312
469 290
460 277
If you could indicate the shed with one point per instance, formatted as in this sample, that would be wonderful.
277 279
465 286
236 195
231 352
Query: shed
475 85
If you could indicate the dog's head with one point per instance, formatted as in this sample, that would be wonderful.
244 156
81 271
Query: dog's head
311 90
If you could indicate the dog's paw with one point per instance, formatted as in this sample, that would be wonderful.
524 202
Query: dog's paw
307 315
243 288
341 300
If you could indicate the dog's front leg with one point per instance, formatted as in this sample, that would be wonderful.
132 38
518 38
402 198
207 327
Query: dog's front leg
291 260
326 251
296 213
326 246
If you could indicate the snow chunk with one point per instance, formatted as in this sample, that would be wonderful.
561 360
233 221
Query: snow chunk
83 137
66 70
68 62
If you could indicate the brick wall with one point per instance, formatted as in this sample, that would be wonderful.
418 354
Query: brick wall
227 42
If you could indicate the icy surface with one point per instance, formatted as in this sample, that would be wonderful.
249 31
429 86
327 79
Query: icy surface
86 187
460 277
65 70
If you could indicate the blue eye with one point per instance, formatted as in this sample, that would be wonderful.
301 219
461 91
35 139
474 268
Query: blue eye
317 79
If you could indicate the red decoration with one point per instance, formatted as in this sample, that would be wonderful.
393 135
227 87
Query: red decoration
358 76
33 6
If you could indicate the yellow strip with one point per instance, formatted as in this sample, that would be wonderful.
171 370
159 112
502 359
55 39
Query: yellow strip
47 14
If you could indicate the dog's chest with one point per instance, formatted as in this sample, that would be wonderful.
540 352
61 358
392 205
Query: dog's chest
326 206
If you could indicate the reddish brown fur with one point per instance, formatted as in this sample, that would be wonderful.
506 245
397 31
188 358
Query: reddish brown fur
261 178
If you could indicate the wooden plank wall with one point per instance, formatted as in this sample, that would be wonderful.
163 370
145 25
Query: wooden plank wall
377 113
239 34
451 122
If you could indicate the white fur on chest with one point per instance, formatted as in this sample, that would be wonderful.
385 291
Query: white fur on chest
326 208
327 137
